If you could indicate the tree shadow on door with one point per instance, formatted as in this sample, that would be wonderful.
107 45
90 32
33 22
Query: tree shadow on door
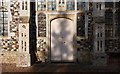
59 39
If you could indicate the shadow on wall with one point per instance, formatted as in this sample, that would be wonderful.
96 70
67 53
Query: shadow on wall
32 33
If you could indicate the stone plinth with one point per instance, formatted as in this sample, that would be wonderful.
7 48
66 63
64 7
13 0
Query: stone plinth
99 59
84 57
23 60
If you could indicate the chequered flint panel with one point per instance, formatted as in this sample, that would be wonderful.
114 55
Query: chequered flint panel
14 23
41 44
8 45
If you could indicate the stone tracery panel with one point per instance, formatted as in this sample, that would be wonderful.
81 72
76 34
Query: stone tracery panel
41 25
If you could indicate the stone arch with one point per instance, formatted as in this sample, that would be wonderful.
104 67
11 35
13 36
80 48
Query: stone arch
60 17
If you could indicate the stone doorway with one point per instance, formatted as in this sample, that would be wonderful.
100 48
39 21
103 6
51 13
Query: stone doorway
62 30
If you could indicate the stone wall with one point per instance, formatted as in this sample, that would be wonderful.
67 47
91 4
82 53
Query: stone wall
9 45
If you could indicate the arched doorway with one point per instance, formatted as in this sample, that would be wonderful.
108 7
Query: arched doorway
62 30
